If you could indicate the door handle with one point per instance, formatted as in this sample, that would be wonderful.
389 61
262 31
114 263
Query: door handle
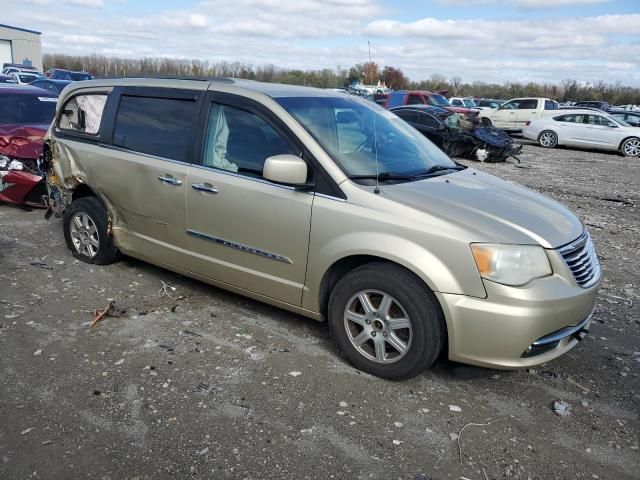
169 180
204 187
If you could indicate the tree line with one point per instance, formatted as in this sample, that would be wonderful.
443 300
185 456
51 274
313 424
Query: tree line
368 73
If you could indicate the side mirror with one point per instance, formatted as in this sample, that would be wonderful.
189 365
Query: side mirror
287 169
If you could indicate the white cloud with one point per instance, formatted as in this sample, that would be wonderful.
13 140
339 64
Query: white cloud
523 3
86 3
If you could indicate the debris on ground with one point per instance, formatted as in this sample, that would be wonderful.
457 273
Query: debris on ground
109 311
472 425
561 408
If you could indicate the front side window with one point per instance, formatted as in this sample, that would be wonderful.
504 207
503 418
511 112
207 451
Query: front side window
83 113
240 141
511 105
382 142
469 103
456 103
428 121
410 116
438 100
598 120
155 126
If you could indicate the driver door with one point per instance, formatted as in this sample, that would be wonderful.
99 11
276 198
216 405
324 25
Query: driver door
505 116
244 230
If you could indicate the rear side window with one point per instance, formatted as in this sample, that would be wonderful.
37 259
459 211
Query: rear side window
415 100
528 104
83 113
550 105
155 126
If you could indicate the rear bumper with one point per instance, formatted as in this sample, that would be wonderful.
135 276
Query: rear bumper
518 327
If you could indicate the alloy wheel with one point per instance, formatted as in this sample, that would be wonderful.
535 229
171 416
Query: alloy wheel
547 139
84 235
632 148
378 326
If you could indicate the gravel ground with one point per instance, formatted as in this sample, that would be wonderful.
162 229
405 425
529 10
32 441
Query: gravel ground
208 384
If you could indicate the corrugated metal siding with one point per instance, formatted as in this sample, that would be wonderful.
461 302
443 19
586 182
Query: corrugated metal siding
24 45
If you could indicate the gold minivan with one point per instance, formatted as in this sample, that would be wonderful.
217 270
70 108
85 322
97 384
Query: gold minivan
327 205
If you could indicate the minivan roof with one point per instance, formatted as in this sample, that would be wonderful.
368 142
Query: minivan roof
274 90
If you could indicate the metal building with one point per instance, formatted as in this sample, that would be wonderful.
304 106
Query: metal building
19 45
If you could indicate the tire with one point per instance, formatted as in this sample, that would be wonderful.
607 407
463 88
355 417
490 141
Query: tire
85 231
631 147
486 122
414 319
548 139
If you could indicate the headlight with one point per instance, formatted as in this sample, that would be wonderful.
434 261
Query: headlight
510 264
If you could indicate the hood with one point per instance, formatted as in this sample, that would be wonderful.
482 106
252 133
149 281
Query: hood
491 207
22 141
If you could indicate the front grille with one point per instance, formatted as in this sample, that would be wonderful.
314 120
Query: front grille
580 256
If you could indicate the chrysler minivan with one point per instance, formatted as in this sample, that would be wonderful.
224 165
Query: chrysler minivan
326 205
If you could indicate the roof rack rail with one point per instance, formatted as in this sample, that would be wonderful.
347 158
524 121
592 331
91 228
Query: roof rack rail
169 77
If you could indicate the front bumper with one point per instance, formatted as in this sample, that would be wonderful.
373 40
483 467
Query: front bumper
517 327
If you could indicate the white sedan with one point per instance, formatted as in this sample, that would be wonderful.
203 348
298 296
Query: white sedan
584 128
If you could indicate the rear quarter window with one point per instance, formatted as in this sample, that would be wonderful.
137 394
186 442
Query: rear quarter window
155 126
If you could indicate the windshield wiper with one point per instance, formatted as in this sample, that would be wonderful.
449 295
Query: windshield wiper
438 168
383 176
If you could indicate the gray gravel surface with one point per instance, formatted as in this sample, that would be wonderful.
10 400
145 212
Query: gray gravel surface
212 385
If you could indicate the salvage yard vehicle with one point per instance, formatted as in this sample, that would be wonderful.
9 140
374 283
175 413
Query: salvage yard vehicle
627 116
53 86
62 74
599 105
459 135
25 78
514 114
587 129
326 205
25 115
421 97
466 102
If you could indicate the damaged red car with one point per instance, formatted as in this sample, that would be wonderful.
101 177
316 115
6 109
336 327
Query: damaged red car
25 115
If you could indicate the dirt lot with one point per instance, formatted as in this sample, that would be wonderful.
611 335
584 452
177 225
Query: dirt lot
206 386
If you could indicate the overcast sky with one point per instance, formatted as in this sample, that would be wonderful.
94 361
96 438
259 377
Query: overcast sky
538 40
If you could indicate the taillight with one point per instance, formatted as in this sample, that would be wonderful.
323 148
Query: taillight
528 123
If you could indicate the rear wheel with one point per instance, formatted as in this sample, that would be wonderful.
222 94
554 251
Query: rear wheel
548 139
85 224
631 147
386 321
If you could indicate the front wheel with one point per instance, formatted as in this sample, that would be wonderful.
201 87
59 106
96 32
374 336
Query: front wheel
548 139
85 224
486 122
631 147
386 321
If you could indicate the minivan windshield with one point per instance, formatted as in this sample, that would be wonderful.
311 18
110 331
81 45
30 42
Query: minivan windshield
364 139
